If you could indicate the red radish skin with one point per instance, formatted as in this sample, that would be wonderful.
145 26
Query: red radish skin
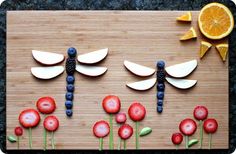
188 127
200 112
51 123
101 129
18 131
210 126
177 138
111 104
29 118
121 118
137 111
125 131
46 105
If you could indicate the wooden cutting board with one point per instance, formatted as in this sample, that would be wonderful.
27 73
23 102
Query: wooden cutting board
139 36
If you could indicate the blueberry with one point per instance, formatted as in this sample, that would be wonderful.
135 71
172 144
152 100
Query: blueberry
69 112
160 64
71 52
69 104
69 96
160 102
70 88
160 95
70 79
159 109
160 87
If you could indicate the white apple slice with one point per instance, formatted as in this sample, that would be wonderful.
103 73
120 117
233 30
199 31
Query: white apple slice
47 58
91 70
142 85
138 69
181 83
181 70
47 72
93 57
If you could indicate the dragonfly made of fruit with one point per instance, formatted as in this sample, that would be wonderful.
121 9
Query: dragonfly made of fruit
50 71
175 72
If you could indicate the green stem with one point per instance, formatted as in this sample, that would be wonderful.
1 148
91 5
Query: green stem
18 142
52 139
201 134
45 139
136 134
100 144
186 142
124 144
210 140
111 146
119 145
177 147
30 137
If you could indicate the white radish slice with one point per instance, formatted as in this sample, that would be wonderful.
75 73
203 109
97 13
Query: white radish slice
181 83
91 70
181 70
47 72
47 58
142 85
93 57
138 69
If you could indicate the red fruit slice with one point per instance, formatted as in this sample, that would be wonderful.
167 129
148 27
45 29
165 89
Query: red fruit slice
111 104
121 118
210 126
125 131
200 112
51 123
177 138
46 105
101 129
29 118
137 111
18 131
188 127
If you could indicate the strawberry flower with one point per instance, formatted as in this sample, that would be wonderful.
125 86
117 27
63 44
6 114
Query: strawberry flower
210 126
18 133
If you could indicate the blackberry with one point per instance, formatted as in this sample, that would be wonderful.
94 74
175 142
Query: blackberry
70 66
161 76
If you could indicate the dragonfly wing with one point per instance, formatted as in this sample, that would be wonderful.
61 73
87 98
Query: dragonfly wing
138 69
181 83
93 57
90 70
47 72
182 70
142 85
47 58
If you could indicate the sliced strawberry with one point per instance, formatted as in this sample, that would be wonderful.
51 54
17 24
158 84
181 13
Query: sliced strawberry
200 112
29 118
18 131
188 127
111 104
210 126
46 105
101 129
125 131
137 111
177 138
121 118
51 123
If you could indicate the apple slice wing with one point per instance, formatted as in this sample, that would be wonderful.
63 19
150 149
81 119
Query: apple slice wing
181 83
181 70
47 72
47 58
90 70
93 57
138 69
142 85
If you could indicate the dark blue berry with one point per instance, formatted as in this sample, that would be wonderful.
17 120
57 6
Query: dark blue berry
160 95
69 96
160 64
69 104
160 102
69 112
70 88
159 109
160 86
71 52
70 79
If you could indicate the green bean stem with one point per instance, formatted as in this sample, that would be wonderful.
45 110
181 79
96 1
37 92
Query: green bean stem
100 144
136 134
52 139
30 137
210 140
201 134
111 145
186 142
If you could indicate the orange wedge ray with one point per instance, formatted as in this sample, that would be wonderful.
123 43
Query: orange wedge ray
185 17
190 34
205 46
223 50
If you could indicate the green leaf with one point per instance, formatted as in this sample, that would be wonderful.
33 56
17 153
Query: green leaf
145 131
192 142
12 138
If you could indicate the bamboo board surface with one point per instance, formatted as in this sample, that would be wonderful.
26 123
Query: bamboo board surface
139 36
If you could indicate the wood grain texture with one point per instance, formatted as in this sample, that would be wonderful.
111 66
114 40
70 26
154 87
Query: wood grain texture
139 36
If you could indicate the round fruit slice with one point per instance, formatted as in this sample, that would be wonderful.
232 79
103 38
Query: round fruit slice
125 131
101 129
51 123
137 111
200 112
188 127
46 105
215 21
111 104
210 126
29 118
18 131
121 118
177 138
